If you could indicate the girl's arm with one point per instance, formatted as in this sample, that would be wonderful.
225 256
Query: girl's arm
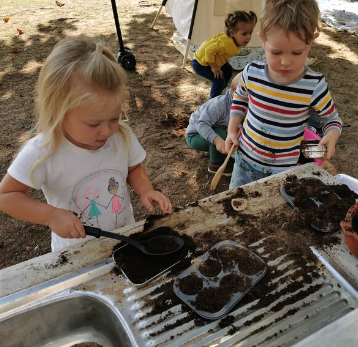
139 181
15 201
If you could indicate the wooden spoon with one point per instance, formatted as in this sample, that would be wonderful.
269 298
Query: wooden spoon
221 169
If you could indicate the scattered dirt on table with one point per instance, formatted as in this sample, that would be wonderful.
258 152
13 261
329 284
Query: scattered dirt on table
284 233
323 205
62 259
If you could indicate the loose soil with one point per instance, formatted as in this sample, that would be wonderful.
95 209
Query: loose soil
334 201
285 233
161 97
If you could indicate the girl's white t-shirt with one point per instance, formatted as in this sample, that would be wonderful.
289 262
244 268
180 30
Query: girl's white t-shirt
91 184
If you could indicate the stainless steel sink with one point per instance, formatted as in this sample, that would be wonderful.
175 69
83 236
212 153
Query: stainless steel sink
64 321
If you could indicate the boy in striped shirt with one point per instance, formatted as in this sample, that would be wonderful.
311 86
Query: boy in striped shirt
279 94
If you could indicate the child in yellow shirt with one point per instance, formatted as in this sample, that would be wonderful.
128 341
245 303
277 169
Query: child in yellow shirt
211 58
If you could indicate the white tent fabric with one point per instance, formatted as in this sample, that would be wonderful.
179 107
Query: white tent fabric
340 14
210 17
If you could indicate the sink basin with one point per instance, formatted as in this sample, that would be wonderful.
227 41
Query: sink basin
64 321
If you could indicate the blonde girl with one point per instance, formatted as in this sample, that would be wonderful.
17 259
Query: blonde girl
211 58
80 144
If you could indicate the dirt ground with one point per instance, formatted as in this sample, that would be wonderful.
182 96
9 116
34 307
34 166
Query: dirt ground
161 97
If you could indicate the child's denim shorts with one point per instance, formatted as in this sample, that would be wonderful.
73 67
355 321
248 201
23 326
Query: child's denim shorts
244 173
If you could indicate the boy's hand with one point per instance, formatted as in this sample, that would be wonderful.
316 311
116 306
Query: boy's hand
329 140
66 224
220 144
231 140
154 196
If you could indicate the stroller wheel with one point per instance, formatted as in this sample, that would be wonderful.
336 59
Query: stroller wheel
127 59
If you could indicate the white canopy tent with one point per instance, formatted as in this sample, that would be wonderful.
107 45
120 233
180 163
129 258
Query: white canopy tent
197 20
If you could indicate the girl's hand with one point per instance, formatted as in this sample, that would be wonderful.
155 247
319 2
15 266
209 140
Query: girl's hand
154 196
66 224
329 140
217 71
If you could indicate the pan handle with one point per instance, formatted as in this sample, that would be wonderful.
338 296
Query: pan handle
92 231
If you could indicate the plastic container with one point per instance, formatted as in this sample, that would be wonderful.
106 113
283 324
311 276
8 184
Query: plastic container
350 181
216 281
312 150
350 236
312 135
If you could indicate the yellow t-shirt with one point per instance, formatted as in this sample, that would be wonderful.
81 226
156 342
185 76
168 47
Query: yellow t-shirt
217 49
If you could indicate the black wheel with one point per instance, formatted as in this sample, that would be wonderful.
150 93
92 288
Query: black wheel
128 61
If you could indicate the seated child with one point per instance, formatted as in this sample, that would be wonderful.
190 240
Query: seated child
207 128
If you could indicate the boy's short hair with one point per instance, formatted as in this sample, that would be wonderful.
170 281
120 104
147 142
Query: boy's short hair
298 16
235 82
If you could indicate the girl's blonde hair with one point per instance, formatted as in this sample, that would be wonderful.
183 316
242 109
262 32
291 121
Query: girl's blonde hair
292 16
232 19
75 72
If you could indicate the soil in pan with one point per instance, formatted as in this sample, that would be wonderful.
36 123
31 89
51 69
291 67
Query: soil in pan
140 267
211 267
233 283
335 201
160 245
212 299
247 264
191 284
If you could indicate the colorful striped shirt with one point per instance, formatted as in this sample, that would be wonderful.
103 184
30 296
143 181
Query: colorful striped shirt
276 115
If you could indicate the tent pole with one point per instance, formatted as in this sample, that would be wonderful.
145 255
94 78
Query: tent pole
190 32
158 13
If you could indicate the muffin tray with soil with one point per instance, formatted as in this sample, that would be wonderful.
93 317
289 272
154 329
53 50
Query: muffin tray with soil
322 205
219 279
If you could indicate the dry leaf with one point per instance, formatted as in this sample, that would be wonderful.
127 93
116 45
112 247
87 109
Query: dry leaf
28 248
20 31
6 19
59 3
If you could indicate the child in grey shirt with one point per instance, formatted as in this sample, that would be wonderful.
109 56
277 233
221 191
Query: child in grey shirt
207 128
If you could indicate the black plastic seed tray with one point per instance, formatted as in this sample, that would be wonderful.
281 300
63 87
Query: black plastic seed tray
221 287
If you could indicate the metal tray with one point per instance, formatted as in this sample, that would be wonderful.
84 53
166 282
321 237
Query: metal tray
142 284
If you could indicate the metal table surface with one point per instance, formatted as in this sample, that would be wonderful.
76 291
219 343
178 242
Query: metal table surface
325 305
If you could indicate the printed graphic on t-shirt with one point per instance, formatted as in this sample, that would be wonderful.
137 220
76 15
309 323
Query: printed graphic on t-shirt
99 197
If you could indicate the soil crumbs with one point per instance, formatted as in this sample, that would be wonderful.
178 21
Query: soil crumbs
285 232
